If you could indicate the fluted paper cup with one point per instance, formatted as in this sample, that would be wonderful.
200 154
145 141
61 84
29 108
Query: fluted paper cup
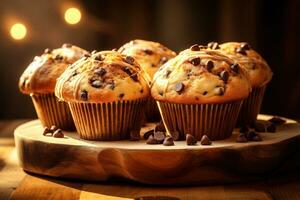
107 121
151 111
50 111
251 107
217 121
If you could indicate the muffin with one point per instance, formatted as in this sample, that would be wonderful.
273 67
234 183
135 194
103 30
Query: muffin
150 55
106 94
200 92
39 79
259 73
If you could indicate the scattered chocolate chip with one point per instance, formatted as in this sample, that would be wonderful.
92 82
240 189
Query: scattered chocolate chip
271 128
152 140
53 128
84 95
235 67
244 129
259 127
213 45
168 72
241 138
159 136
168 141
175 135
47 131
148 51
148 133
58 133
245 46
209 65
58 57
195 61
195 47
129 60
160 126
135 135
97 84
204 93
100 71
257 138
250 135
179 87
224 76
241 51
190 139
47 51
220 91
205 140
67 45
99 57
121 95
277 120
163 60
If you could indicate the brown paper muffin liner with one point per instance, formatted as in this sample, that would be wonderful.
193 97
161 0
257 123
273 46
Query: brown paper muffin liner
217 121
151 111
107 121
53 112
251 107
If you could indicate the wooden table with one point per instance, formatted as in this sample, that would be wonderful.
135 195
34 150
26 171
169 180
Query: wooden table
16 184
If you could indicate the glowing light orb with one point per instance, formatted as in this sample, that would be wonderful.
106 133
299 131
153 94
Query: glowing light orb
72 15
18 31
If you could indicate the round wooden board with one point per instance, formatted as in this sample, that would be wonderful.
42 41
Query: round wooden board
223 162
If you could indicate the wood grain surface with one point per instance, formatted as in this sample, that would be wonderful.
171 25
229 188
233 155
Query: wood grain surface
16 184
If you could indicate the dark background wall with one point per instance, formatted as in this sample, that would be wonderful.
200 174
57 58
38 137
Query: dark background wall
270 26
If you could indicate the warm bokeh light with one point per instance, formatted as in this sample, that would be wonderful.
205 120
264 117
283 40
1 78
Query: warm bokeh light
18 31
72 15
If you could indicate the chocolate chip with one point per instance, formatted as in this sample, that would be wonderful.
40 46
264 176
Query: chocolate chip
53 128
190 140
135 135
160 127
271 128
161 93
127 70
152 140
99 57
58 133
97 84
141 90
47 131
213 45
235 67
220 91
224 75
277 120
205 140
250 135
245 46
168 141
257 138
159 136
244 129
121 95
84 95
87 55
67 45
195 47
74 73
134 77
259 127
148 133
175 135
179 87
241 51
241 138
168 72
163 60
58 57
204 93
195 61
100 71
148 51
129 60
47 51
112 85
209 65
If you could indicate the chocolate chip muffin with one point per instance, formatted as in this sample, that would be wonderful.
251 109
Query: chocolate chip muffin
259 73
200 92
106 94
150 55
39 79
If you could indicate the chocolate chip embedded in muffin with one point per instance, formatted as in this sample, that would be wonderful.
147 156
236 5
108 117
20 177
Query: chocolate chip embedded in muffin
209 65
97 84
195 61
241 51
99 57
129 60
235 67
121 95
100 71
220 91
87 55
168 72
163 60
195 47
179 87
213 45
84 95
224 75
205 140
47 51
245 46
67 45
58 57
148 51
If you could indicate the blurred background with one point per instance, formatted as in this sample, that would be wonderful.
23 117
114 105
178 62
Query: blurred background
270 26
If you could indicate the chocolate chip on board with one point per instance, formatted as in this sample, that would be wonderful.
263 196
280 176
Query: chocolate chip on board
257 138
148 133
259 127
277 120
190 139
47 51
47 131
168 141
152 140
175 135
244 129
160 127
58 133
241 138
205 140
159 136
271 128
